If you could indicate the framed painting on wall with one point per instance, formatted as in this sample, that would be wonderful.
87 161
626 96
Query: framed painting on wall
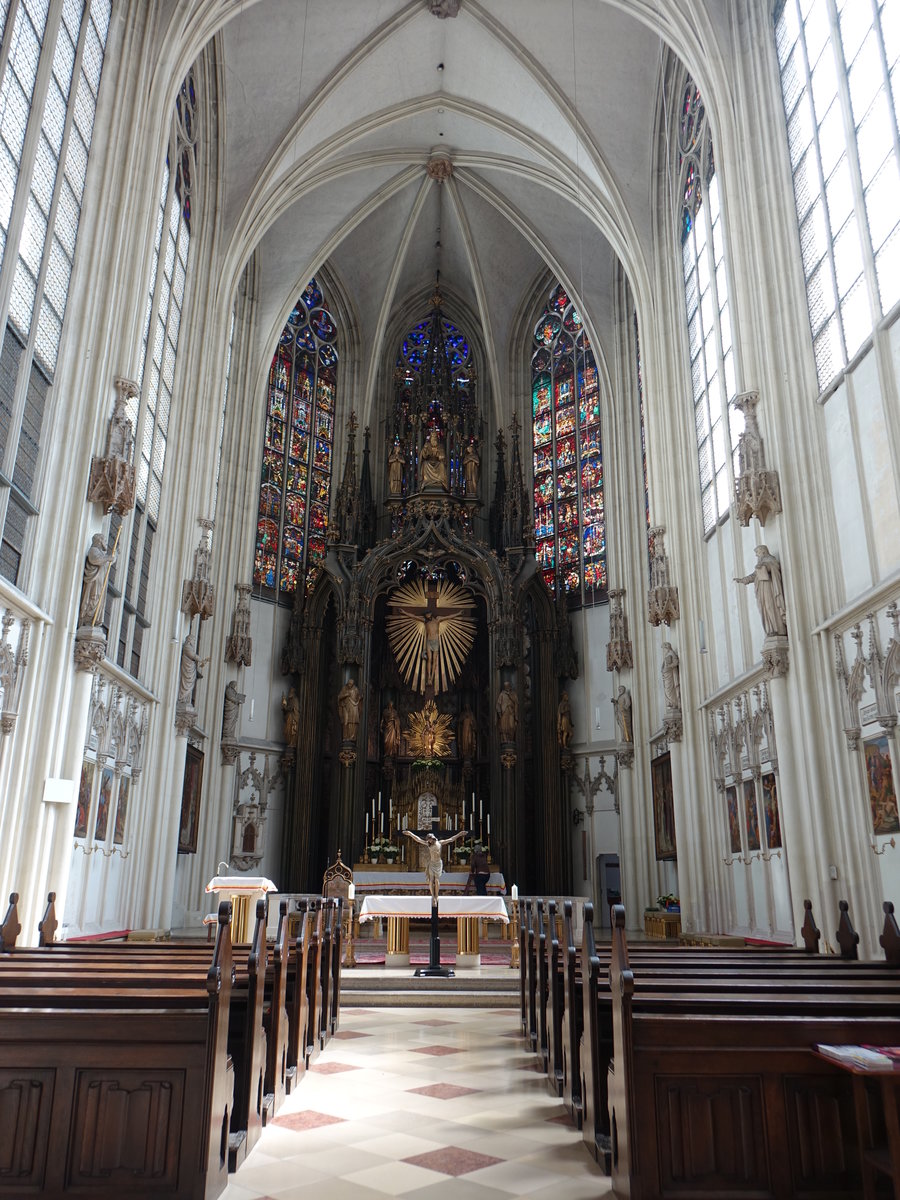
734 820
880 779
83 807
121 811
103 801
663 807
770 808
752 815
190 801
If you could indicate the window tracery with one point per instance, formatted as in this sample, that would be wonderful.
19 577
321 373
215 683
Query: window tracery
295 488
840 81
569 517
717 422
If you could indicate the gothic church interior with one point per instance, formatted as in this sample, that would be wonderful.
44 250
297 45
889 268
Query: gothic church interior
537 363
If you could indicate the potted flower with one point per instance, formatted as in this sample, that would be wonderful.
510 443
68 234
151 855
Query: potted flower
669 903
382 847
463 852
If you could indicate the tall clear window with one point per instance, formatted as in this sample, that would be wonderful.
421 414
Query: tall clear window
297 454
127 614
569 518
52 58
717 422
840 79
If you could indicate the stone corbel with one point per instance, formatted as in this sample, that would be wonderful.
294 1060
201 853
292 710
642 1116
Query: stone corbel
198 595
185 716
443 8
775 656
851 685
662 597
619 651
674 726
756 489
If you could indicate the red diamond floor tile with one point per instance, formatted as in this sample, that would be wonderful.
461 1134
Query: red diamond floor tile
436 1050
444 1091
453 1160
346 1034
332 1068
308 1119
562 1119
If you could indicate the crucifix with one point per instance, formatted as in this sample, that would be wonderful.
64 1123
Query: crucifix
441 633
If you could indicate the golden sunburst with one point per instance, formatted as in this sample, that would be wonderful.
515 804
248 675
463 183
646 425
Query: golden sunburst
428 732
431 632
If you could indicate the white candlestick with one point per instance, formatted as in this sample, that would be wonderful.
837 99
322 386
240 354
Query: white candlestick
515 891
351 891
390 808
489 825
367 825
472 820
382 822
480 810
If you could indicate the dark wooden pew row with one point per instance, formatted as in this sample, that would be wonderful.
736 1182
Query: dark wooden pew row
268 1064
719 1092
104 1098
565 1004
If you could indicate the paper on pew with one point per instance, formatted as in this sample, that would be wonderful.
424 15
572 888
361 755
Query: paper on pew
859 1056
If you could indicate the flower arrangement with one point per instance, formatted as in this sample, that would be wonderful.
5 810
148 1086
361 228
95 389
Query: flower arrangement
668 902
383 846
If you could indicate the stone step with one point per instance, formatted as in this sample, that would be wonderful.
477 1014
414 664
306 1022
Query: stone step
371 987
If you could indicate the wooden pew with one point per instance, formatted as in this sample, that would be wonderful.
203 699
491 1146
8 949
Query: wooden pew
10 929
247 1046
105 1100
541 987
721 1094
573 1021
313 978
555 1003
522 934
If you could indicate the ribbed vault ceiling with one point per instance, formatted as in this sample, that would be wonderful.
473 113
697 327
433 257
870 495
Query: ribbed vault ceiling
546 110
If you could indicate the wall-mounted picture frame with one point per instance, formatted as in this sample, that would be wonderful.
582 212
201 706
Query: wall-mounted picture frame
190 801
880 781
83 807
770 808
663 808
734 820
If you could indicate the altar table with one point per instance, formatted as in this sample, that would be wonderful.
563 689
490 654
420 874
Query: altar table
468 911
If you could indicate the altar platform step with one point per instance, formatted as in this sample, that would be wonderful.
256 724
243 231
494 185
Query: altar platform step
398 987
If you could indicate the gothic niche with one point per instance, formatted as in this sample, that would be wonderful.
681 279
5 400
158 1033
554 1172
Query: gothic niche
427 635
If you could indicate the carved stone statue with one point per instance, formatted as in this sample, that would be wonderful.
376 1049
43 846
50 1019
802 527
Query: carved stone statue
564 727
470 463
112 480
507 713
467 734
93 584
191 662
290 706
349 701
622 703
671 678
230 711
390 728
119 436
395 470
434 468
766 579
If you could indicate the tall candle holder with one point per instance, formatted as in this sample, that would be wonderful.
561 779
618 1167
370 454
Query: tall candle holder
514 948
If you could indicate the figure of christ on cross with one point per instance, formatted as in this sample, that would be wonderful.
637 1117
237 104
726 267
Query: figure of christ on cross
434 868
432 620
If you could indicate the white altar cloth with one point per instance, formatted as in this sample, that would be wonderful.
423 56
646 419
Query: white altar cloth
382 881
491 908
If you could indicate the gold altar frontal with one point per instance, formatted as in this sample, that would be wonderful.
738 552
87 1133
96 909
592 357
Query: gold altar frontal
467 910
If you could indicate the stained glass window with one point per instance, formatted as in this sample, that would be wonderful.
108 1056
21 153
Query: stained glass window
718 423
51 58
569 519
298 447
840 80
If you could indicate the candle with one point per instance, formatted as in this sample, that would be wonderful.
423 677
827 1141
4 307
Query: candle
515 891
382 822
480 810
472 820
351 891
489 825
367 825
390 809
373 810
379 801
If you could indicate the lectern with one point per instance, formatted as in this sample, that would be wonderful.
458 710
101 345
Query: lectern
243 891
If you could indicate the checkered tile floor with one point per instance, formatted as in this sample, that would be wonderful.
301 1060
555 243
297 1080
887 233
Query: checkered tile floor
407 1109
